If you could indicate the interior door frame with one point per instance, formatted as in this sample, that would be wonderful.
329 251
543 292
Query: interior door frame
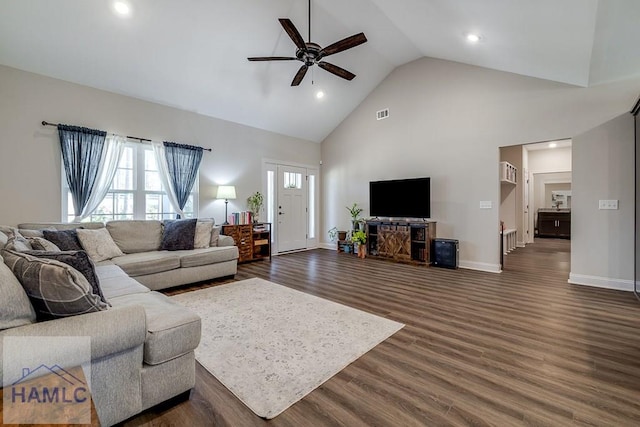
312 200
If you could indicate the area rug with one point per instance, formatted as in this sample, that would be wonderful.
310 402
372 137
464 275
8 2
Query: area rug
272 345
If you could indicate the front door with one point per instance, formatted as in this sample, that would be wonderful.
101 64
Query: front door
291 208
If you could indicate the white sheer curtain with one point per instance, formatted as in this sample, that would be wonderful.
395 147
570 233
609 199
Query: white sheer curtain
113 146
163 168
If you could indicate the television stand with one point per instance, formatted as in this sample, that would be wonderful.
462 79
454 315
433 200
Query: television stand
401 241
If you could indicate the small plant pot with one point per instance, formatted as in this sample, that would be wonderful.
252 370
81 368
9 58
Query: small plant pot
342 235
362 251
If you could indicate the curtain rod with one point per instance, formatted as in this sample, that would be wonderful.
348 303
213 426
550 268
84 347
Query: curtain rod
44 123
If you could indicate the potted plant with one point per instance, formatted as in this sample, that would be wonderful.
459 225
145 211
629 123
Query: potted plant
254 203
333 234
359 237
355 212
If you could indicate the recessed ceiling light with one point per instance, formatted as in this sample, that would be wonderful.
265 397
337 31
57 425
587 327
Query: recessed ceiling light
319 94
473 38
552 145
122 8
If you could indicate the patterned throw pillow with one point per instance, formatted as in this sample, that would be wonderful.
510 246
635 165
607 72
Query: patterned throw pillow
66 240
203 233
178 235
80 261
98 244
55 289
18 243
42 244
15 308
215 235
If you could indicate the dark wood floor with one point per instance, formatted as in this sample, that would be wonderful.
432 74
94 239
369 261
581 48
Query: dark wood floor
522 347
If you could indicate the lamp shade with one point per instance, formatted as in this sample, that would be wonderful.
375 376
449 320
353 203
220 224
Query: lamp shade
227 192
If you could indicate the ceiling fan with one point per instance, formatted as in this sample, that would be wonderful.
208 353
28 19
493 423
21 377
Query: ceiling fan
310 53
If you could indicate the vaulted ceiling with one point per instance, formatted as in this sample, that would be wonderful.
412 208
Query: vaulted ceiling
191 54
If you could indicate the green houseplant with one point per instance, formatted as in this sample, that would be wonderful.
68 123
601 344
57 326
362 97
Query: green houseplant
359 238
355 212
254 203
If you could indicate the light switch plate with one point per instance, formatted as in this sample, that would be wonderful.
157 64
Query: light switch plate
485 204
607 204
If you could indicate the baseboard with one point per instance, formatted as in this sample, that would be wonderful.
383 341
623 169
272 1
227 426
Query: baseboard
480 266
331 246
601 282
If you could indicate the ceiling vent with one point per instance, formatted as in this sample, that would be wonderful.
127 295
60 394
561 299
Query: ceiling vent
382 114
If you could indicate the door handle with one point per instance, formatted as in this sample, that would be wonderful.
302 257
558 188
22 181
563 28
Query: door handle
280 213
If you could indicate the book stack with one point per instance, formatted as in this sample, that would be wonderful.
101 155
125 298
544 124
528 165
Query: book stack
240 218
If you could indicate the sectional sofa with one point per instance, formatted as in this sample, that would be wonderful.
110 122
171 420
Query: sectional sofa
142 346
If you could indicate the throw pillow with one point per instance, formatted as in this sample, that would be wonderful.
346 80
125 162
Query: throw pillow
54 288
66 240
215 235
18 243
178 235
42 244
203 233
80 261
15 308
98 244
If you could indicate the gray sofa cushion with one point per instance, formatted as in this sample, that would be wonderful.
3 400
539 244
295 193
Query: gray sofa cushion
55 289
144 263
15 308
115 282
58 225
173 330
133 236
206 256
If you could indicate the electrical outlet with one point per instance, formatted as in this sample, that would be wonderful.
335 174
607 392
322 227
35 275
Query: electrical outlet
607 204
485 204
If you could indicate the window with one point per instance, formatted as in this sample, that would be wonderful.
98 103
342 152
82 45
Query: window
136 191
292 180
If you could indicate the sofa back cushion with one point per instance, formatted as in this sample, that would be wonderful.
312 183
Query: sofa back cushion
133 236
15 308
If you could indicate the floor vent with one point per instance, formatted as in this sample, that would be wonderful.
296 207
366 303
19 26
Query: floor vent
382 114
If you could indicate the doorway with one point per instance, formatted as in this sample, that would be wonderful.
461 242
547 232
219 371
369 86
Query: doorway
292 205
543 183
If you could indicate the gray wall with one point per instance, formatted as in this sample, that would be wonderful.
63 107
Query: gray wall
30 172
447 121
602 240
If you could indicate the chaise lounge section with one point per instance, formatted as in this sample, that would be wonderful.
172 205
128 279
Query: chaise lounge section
142 347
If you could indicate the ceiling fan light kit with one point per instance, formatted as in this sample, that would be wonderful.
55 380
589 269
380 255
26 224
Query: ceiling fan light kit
311 54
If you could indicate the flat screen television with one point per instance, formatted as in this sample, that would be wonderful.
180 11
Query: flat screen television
400 198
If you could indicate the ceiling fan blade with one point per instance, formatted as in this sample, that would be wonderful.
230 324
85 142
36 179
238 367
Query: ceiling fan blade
272 58
293 32
334 69
299 75
343 44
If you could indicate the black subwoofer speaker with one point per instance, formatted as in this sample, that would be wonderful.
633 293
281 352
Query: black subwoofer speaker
445 253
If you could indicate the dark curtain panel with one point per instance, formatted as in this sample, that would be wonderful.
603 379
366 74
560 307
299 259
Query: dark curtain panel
183 163
82 151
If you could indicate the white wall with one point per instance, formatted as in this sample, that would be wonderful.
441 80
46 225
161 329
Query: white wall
30 153
550 160
447 121
602 240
